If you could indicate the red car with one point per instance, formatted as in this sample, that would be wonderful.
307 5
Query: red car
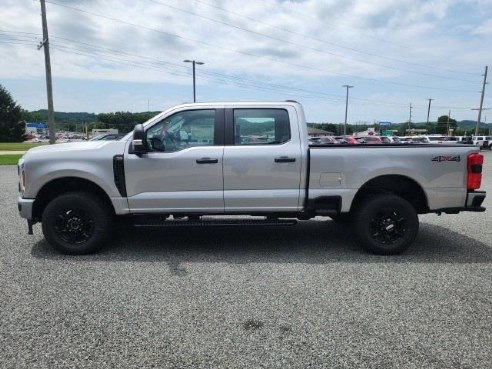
324 140
370 140
351 140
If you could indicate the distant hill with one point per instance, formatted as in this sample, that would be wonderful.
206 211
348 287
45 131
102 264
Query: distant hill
78 117
468 125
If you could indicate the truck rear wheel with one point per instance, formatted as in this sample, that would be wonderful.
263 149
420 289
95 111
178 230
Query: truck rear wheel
76 223
386 224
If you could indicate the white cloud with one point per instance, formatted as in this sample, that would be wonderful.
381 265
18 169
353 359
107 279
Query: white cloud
313 45
484 29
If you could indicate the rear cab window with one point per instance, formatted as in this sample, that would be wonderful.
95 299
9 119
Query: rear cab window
261 126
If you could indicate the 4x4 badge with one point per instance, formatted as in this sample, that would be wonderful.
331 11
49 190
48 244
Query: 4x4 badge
446 158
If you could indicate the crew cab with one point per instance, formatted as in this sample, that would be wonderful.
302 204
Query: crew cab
246 159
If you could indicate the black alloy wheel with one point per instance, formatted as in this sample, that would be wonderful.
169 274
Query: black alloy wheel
386 224
74 226
77 222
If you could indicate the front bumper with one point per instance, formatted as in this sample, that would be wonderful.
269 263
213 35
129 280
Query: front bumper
25 207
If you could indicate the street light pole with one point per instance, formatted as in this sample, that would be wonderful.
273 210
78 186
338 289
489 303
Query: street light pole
346 108
194 84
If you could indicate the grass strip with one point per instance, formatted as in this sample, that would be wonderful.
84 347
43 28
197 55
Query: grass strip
19 146
10 159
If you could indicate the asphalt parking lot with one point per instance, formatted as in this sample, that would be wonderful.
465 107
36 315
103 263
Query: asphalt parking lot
290 297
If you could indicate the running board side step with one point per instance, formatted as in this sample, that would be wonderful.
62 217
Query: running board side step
215 223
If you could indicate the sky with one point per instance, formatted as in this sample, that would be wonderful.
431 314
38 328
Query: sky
119 55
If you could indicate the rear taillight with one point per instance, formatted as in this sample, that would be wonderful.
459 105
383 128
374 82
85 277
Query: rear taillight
474 166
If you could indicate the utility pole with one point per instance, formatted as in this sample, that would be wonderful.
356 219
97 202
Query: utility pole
481 100
346 109
410 117
481 110
428 113
449 117
49 85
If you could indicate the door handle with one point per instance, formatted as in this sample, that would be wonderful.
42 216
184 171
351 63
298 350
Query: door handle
207 161
285 159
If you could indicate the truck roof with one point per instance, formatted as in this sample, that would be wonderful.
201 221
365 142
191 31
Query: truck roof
225 104
240 103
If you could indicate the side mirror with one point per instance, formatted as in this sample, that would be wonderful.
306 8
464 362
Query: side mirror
139 141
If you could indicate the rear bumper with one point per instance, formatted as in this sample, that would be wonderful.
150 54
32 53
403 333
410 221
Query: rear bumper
25 207
474 200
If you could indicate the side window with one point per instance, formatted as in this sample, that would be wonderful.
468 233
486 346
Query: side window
181 130
261 126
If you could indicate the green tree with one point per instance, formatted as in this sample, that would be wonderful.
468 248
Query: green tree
124 121
11 127
442 124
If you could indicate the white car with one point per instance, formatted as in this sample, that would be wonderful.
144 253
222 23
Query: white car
483 141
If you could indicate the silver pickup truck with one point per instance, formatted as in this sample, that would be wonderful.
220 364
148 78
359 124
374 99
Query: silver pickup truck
246 159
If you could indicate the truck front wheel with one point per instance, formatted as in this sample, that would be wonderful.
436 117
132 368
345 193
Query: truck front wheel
386 224
76 223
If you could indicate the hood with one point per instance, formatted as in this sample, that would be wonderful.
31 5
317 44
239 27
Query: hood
69 146
61 149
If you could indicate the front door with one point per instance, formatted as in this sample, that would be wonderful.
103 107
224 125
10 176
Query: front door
182 171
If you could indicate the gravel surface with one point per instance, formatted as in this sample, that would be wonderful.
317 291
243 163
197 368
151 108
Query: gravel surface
286 297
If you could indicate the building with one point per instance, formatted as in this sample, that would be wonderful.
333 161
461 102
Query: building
36 128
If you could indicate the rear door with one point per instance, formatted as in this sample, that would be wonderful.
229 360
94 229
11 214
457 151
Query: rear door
262 160
182 172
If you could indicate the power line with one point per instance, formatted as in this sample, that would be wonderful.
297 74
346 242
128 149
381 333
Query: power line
122 57
332 43
241 81
252 54
312 48
222 77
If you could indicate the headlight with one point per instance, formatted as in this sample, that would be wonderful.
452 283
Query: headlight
22 176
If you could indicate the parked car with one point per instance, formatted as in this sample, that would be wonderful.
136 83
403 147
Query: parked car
107 137
484 142
391 140
370 140
351 140
414 139
466 140
451 139
436 139
324 140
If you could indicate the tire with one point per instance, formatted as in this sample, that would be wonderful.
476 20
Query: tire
386 224
77 223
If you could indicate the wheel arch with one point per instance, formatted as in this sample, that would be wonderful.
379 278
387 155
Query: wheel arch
400 185
64 185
